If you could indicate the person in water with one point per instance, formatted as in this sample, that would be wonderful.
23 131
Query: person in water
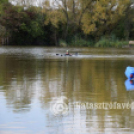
67 53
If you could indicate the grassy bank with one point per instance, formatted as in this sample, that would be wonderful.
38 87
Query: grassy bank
103 42
108 42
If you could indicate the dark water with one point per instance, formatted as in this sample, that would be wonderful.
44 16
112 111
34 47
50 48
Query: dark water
41 93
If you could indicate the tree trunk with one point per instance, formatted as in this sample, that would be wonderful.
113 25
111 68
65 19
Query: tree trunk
55 38
66 31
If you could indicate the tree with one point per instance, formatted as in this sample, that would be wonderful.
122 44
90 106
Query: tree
103 16
20 23
65 12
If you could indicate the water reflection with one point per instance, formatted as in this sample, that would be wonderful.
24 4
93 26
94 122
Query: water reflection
129 85
28 85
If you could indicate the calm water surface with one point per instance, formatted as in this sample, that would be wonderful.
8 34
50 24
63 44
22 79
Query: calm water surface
41 93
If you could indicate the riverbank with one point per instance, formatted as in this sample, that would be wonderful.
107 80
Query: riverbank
103 42
84 43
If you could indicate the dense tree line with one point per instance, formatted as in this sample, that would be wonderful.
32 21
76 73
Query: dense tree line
58 21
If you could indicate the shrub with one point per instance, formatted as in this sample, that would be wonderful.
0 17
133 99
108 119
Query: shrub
80 42
110 42
62 43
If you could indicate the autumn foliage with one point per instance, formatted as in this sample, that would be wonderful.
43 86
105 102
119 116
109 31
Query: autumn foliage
49 23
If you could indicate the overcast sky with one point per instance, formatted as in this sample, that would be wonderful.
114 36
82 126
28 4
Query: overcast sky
28 2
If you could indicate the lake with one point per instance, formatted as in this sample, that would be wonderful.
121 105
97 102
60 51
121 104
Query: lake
41 93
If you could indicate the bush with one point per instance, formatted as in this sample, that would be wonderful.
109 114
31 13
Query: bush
78 41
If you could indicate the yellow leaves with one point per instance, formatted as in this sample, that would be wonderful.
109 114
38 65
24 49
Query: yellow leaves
70 4
89 13
113 2
88 28
120 11
106 12
123 2
47 3
88 24
100 10
62 11
46 6
103 16
54 17
47 20
98 7
86 18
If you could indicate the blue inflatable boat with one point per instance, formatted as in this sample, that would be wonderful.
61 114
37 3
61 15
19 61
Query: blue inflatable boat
129 72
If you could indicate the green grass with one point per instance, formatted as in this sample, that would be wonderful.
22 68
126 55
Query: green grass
109 42
104 42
